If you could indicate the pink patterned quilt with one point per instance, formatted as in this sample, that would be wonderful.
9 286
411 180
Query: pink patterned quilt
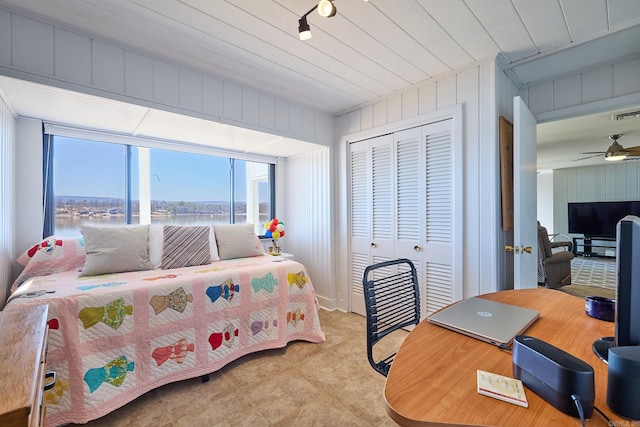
112 338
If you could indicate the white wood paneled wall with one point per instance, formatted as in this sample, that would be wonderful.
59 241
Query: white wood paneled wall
476 89
601 183
588 91
308 220
7 197
44 53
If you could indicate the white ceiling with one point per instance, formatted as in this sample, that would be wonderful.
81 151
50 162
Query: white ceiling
561 142
368 50
79 110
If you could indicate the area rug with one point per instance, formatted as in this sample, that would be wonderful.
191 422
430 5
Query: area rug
581 291
592 277
596 272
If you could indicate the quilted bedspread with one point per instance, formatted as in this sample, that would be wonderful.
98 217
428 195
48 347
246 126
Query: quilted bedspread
112 338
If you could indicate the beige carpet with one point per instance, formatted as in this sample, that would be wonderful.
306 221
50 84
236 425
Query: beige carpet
303 384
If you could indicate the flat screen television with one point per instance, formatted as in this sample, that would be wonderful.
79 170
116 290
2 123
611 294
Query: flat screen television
599 219
627 313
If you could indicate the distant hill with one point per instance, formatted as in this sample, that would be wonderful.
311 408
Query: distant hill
101 200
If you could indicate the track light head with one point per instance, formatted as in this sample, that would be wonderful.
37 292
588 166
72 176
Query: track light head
304 30
326 8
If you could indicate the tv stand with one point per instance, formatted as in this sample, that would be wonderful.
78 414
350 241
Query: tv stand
601 347
602 247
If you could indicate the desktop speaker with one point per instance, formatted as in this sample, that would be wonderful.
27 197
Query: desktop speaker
554 375
623 386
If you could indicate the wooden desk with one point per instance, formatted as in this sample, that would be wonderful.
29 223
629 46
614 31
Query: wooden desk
433 378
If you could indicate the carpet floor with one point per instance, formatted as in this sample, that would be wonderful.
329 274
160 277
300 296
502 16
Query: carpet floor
303 384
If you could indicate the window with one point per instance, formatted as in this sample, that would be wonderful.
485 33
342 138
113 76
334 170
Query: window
110 183
88 184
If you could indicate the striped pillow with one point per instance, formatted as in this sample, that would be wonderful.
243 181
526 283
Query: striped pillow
184 246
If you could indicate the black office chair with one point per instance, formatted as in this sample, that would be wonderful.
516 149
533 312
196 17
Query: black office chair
392 302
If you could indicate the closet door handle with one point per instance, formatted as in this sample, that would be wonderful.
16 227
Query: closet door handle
417 248
373 245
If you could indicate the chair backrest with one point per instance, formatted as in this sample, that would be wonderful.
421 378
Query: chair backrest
392 302
543 241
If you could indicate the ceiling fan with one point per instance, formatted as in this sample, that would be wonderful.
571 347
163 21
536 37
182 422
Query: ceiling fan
615 151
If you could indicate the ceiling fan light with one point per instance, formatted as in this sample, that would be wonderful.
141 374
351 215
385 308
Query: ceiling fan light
615 152
326 8
617 156
304 31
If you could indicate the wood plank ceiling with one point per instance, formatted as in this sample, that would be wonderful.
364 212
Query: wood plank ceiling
369 49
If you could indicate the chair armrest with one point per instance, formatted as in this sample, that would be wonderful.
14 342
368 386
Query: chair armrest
568 245
559 257
559 243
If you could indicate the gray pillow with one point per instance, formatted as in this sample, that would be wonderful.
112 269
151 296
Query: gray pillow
115 249
237 241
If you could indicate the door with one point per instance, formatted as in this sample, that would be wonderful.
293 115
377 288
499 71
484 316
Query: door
372 209
525 231
410 188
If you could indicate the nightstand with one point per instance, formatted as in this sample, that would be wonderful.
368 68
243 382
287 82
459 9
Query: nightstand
23 348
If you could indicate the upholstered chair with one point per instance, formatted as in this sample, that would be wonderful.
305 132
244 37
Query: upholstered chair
554 268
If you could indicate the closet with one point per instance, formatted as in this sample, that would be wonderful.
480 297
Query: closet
404 192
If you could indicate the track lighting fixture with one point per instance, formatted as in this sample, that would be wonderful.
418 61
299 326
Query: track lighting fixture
303 29
325 8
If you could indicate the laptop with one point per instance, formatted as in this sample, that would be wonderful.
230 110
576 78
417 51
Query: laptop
490 321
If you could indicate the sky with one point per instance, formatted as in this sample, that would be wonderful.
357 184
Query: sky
91 168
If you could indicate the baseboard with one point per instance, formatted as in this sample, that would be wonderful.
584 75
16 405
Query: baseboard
327 303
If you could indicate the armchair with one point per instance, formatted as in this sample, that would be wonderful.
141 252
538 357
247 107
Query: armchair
554 268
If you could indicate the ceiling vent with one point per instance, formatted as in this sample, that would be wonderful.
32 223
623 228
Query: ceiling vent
629 115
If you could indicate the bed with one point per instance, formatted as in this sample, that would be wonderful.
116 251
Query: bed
115 336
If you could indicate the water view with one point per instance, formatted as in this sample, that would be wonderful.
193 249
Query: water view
71 214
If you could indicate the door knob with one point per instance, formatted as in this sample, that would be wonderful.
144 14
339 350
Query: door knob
417 248
518 249
373 245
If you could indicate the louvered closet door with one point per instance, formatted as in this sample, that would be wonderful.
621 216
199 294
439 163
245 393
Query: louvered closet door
372 209
410 189
439 235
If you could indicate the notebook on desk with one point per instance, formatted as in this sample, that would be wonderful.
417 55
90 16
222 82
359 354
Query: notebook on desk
494 322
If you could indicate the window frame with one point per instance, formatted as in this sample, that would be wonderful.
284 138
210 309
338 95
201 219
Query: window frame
50 131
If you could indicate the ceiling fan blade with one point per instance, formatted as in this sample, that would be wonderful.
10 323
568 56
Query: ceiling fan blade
588 157
594 152
633 149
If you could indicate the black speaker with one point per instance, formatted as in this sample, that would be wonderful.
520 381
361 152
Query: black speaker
554 374
623 386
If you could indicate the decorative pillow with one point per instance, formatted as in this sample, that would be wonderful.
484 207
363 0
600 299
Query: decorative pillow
156 240
237 241
52 255
155 245
115 249
185 246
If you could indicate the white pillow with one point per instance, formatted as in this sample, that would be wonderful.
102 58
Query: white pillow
156 241
115 249
237 241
